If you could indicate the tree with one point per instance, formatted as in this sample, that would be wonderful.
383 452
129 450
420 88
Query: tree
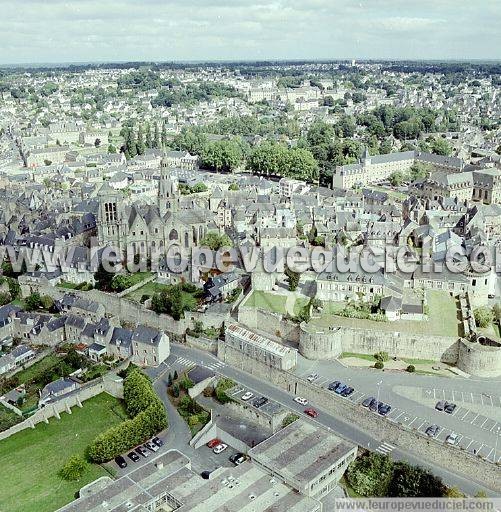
483 316
163 136
103 278
440 146
396 178
112 148
379 365
233 186
292 278
215 241
371 474
74 468
47 302
186 383
381 356
156 137
419 171
302 165
32 302
147 136
5 298
222 155
140 141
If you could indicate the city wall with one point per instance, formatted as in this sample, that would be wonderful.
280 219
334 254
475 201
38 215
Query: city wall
108 384
456 459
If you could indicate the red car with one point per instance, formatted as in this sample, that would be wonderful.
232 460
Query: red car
213 443
311 412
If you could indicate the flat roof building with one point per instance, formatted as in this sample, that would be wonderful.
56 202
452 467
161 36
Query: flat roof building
167 483
305 456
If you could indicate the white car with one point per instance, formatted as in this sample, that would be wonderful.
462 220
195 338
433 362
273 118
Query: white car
452 438
301 400
220 448
312 377
247 396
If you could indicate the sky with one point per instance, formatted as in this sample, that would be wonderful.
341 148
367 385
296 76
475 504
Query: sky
51 31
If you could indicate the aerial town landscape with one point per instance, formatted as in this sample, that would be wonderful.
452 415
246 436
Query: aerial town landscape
249 285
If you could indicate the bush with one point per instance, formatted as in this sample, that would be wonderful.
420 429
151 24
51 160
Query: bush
74 468
379 365
186 383
148 417
382 356
222 386
483 316
411 368
370 475
290 418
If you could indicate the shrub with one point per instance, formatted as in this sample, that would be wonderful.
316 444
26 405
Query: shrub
411 368
186 383
148 417
382 356
222 386
483 316
379 365
74 468
370 475
290 418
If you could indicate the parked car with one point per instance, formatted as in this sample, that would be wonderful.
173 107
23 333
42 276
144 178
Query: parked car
205 474
238 458
340 389
121 462
312 377
259 402
151 446
450 407
368 401
452 438
432 430
440 405
142 451
374 405
311 412
301 400
347 391
158 441
220 448
333 385
384 409
213 442
247 396
133 456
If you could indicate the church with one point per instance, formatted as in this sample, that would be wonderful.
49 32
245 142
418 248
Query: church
144 229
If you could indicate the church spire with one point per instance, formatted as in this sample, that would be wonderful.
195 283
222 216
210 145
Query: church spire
168 196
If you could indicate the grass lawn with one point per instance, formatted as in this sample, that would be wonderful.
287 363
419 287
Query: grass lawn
367 357
31 459
39 367
442 318
148 289
268 301
68 285
299 305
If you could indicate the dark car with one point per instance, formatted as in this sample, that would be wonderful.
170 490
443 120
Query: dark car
384 409
368 401
348 390
133 456
142 451
158 441
121 462
333 385
259 402
440 405
205 475
432 430
238 458
374 406
450 408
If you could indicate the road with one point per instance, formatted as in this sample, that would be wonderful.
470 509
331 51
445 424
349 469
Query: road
183 356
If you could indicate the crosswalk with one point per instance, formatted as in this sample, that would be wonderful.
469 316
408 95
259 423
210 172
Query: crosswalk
185 362
385 448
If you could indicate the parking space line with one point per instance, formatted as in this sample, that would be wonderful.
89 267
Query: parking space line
476 416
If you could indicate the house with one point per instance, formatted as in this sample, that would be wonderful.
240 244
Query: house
56 389
219 287
150 347
96 351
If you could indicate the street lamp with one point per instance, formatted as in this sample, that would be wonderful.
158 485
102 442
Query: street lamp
378 388
496 444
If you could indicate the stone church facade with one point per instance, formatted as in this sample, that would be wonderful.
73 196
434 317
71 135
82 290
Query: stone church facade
144 229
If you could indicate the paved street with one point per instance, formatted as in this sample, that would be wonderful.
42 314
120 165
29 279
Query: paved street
182 355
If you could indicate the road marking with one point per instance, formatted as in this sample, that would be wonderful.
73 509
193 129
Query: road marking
474 419
385 448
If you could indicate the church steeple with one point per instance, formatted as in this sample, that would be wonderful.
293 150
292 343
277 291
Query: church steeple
168 195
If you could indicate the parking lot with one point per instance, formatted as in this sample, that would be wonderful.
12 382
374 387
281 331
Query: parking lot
465 397
420 424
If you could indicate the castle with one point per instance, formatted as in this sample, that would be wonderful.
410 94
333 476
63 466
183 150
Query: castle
148 228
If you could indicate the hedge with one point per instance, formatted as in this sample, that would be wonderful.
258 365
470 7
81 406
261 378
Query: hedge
148 417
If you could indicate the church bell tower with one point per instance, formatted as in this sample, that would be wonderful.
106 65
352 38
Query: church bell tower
168 195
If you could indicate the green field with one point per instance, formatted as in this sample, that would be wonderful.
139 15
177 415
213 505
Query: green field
268 301
442 318
30 460
148 289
